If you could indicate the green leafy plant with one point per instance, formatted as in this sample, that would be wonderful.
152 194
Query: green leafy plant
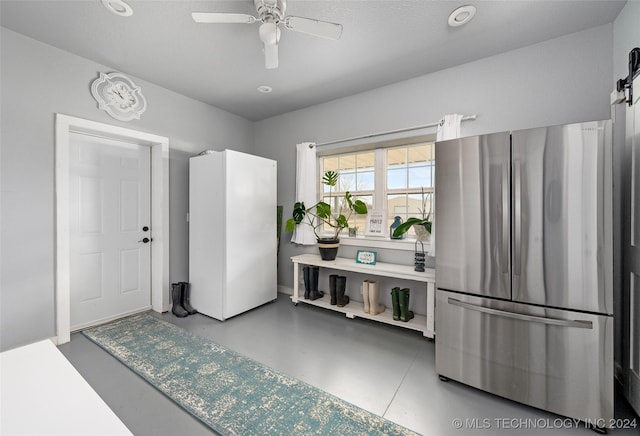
425 219
321 213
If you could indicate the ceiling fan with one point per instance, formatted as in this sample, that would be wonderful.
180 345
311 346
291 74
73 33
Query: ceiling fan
271 13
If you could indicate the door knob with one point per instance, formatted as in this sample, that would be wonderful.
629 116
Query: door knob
145 240
145 229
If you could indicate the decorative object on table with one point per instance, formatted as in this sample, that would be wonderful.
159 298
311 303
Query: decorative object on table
419 257
375 223
118 96
328 248
422 225
311 276
394 225
366 257
373 295
321 214
226 391
341 287
353 232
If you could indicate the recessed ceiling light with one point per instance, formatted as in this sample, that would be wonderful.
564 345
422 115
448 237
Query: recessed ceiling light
265 89
118 7
462 15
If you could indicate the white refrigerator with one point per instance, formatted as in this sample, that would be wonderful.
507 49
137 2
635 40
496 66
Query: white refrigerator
232 232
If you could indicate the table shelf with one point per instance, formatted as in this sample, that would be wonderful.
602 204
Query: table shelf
422 323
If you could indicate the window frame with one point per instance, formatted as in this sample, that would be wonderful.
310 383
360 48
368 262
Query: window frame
380 193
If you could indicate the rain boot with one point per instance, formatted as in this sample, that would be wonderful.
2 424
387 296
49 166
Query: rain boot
396 303
341 287
314 275
306 272
186 291
332 288
176 297
403 298
365 295
374 295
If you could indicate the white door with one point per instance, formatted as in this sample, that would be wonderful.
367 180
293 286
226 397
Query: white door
631 264
109 212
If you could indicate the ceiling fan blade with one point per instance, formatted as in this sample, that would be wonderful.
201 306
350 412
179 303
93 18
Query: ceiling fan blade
222 18
271 56
310 26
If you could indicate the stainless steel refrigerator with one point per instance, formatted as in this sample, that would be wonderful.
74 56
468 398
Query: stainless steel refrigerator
524 301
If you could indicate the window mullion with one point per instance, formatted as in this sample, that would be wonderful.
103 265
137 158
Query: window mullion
379 198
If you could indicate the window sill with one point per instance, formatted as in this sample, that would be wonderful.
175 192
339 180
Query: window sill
388 244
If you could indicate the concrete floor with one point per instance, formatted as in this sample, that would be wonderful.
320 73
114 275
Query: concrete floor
386 370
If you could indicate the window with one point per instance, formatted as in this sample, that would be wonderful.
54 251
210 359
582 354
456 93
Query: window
356 175
398 179
409 182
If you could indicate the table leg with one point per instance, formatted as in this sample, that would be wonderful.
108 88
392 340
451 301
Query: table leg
296 272
430 309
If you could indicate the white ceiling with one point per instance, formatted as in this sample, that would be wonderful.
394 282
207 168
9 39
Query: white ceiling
383 42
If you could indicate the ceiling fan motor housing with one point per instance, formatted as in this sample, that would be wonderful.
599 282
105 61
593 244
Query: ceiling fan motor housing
270 10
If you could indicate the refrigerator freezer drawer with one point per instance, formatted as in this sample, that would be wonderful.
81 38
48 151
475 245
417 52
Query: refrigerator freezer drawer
556 360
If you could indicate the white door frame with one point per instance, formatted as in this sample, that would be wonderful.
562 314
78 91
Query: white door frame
65 124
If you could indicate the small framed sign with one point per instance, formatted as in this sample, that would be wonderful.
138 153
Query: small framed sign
366 257
376 223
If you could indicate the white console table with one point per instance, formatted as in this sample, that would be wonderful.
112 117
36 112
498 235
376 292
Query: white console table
425 324
43 394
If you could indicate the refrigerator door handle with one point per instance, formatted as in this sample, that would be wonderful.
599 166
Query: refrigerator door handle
505 219
517 225
523 317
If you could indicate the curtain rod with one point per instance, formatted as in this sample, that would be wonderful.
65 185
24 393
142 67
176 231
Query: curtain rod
388 132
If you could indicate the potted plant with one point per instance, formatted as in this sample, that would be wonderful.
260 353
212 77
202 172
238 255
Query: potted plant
321 213
422 226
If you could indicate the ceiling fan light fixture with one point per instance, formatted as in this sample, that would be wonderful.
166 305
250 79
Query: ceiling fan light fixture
118 7
461 15
269 33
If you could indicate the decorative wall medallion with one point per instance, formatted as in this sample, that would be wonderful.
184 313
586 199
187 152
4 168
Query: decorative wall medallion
117 95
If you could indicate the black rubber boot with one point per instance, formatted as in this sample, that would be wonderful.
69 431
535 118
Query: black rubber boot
176 297
332 289
314 276
186 291
403 298
341 287
395 303
306 272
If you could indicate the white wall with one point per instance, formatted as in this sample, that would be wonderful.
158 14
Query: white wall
563 80
38 81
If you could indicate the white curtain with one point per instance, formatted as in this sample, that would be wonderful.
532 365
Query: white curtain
449 127
306 189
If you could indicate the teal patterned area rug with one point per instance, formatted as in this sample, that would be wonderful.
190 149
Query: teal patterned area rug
232 394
